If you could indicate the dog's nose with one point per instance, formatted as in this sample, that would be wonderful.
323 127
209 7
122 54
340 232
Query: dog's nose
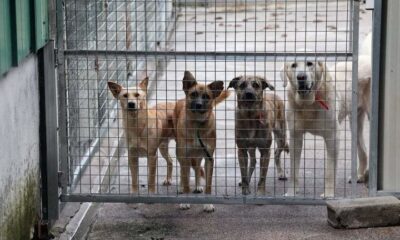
249 96
131 105
198 106
301 76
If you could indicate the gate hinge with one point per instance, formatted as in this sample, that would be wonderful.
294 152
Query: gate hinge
56 58
62 180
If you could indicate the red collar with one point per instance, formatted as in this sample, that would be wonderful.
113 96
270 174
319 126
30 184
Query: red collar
260 117
321 101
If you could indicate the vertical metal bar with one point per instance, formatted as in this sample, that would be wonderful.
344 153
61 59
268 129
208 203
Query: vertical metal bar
354 100
48 132
62 100
374 125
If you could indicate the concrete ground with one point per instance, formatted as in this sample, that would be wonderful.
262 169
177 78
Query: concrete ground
139 221
265 28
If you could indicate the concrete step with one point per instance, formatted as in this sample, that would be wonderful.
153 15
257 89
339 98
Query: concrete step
364 212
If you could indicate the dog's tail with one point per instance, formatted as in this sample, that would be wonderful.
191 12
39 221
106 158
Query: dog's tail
224 95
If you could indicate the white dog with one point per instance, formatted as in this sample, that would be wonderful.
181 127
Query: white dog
343 73
311 98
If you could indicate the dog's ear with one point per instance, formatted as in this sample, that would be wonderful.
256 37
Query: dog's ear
216 88
115 88
284 74
188 81
322 65
266 84
143 84
234 82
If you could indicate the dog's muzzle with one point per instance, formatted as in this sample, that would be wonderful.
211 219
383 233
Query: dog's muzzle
303 87
198 107
131 106
249 97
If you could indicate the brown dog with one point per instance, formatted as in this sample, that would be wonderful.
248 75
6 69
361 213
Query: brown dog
258 115
195 132
146 130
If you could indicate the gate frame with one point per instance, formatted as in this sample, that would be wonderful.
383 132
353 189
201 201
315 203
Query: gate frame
64 176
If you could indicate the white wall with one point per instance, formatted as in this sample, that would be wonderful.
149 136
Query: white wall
390 126
19 150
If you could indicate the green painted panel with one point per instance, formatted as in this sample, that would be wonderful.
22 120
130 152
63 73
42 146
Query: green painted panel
41 23
5 36
23 29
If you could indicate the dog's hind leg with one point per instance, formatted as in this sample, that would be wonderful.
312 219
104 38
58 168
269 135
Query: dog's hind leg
362 154
164 152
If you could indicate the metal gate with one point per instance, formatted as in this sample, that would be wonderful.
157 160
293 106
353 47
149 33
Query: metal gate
104 40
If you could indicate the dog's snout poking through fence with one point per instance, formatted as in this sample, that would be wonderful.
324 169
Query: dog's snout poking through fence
132 106
171 67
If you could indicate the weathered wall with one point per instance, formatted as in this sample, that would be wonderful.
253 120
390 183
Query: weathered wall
19 150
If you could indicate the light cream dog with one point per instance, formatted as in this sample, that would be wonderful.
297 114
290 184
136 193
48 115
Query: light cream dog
146 130
344 74
311 108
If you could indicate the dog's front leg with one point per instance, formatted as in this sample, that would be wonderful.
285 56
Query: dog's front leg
152 167
196 164
332 147
243 161
295 148
133 161
209 164
264 162
253 161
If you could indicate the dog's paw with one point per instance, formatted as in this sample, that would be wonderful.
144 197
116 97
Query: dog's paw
198 190
261 190
360 179
245 190
184 206
282 176
327 195
167 182
289 193
208 208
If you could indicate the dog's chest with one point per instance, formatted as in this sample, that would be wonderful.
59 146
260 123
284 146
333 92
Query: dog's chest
252 132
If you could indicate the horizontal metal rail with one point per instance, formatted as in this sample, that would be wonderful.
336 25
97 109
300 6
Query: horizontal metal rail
248 56
127 198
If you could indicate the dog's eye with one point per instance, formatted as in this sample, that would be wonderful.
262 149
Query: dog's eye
242 85
125 95
294 65
309 64
255 85
194 94
137 95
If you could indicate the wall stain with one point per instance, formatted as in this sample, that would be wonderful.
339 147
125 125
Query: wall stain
21 211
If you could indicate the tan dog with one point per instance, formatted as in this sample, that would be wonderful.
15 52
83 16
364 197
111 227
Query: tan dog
195 132
257 116
146 130
312 108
